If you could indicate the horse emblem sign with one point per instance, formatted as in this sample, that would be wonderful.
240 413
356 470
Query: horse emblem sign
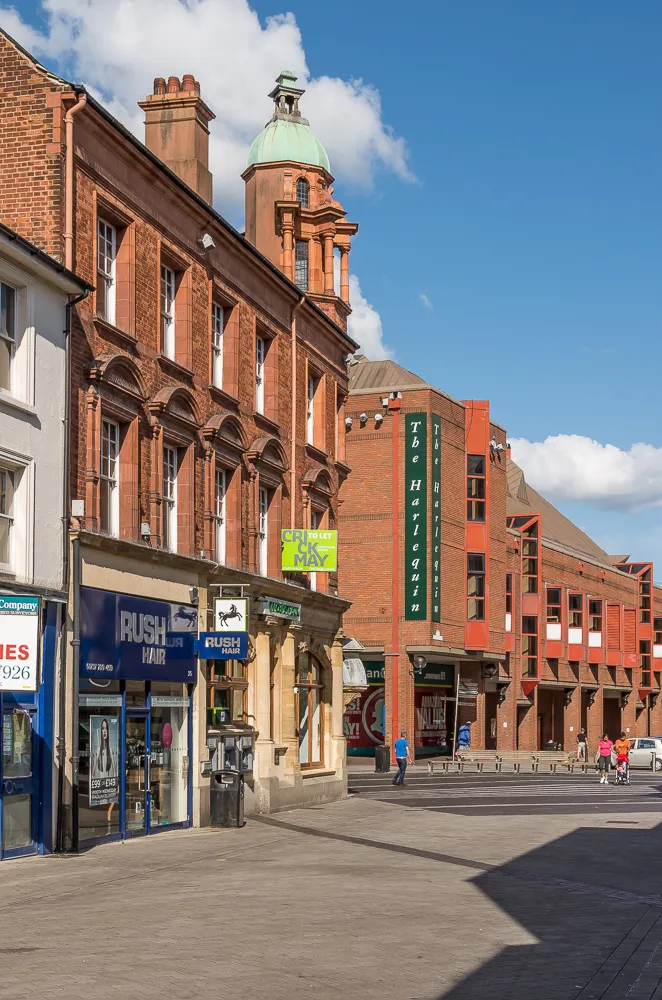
231 614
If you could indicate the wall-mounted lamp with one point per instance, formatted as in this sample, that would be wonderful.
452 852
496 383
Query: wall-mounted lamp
363 417
625 697
384 400
420 663
490 670
591 697
206 241
568 693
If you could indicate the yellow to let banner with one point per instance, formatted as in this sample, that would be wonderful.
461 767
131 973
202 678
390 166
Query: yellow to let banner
309 551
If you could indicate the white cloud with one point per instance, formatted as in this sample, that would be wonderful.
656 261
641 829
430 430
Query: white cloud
572 467
365 324
425 300
118 49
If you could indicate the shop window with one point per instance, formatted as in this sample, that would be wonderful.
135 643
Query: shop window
475 587
309 710
8 336
645 662
554 605
595 616
263 532
575 611
301 264
220 491
475 487
170 469
109 479
7 490
217 331
529 646
227 692
169 760
99 775
303 192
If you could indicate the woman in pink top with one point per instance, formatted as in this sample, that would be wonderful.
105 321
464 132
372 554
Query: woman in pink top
603 758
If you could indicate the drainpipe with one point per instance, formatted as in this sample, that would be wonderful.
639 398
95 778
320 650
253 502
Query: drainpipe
75 685
394 407
60 686
69 182
293 460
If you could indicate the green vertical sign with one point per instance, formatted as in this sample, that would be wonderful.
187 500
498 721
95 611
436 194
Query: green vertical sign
416 516
435 477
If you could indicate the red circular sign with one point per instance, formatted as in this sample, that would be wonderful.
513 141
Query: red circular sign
166 736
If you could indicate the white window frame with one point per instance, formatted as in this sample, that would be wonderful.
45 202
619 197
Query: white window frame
217 331
8 475
170 471
109 472
260 354
9 336
310 410
168 292
263 532
107 256
22 554
220 496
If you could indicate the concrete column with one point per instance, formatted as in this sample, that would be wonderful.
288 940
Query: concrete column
264 747
344 274
337 743
329 288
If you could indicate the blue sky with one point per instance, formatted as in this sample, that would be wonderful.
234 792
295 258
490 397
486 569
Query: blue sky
533 226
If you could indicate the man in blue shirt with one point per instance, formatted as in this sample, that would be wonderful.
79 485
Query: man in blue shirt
402 757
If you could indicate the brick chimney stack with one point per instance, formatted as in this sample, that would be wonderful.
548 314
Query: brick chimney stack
176 130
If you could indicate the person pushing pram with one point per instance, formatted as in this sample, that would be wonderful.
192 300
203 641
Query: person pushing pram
622 751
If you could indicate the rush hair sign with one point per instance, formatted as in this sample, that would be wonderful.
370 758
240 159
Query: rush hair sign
19 642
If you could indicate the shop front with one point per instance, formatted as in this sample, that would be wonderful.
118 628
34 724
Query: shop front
137 674
364 720
28 630
434 706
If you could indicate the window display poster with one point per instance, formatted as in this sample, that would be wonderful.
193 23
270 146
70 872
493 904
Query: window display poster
363 722
104 760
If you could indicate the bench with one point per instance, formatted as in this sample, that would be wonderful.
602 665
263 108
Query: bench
516 758
477 757
552 758
549 758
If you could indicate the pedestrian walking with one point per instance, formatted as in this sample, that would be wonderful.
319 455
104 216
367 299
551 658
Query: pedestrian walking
402 758
622 750
464 737
582 745
603 758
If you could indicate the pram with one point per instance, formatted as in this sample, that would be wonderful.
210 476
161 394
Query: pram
622 770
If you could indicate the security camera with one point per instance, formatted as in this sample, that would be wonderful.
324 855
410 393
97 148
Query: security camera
206 242
363 417
493 444
385 401
379 417
348 421
500 447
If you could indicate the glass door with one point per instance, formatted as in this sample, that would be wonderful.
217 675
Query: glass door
16 789
137 776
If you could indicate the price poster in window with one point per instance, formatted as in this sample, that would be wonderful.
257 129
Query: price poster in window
104 758
19 642
416 516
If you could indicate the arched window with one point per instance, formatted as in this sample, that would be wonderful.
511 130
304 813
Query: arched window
310 710
303 189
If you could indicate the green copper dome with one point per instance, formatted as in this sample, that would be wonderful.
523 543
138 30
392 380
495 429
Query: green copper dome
287 136
287 140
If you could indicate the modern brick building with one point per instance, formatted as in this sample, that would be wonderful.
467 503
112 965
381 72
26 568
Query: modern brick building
207 414
544 631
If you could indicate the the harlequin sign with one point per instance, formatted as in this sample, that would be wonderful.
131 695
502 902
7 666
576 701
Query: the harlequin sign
416 516
309 551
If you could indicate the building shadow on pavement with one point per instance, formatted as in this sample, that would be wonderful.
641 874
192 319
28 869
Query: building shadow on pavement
593 902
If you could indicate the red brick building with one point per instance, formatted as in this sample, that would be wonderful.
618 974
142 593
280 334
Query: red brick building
207 389
544 631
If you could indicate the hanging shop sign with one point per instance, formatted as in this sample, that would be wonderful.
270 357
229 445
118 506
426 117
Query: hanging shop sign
435 610
104 760
280 609
19 642
222 645
309 551
135 637
416 513
231 614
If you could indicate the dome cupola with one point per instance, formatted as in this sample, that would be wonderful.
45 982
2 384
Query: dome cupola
287 137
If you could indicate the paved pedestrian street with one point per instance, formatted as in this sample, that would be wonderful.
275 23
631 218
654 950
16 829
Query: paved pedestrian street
462 886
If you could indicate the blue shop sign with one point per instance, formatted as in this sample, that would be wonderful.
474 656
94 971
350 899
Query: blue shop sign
223 646
137 638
